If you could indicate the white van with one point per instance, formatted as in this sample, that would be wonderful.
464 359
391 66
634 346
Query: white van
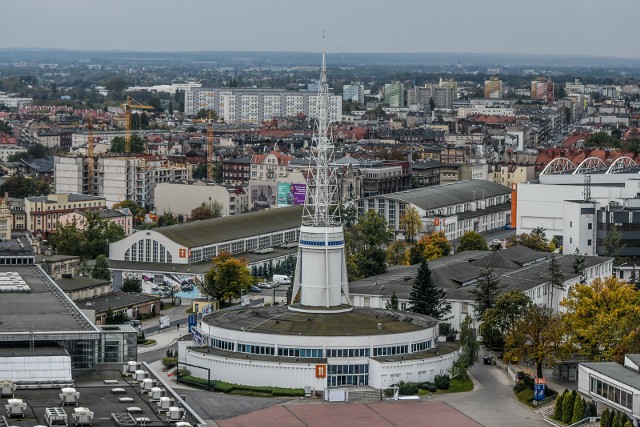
281 279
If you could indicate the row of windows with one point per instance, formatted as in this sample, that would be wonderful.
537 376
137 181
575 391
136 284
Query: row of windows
224 345
348 352
255 349
390 351
141 251
300 352
611 393
421 346
347 369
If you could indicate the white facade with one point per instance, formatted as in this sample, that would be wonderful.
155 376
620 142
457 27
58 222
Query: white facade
257 105
6 150
353 92
181 198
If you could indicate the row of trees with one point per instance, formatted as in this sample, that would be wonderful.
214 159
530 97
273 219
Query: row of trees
89 239
20 186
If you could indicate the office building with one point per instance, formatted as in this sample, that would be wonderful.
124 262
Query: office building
394 95
493 88
353 93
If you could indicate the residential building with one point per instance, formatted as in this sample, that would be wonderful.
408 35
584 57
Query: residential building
58 266
11 101
425 173
6 218
394 95
391 177
542 89
253 106
452 209
493 88
236 170
353 92
44 212
443 94
7 150
133 305
511 173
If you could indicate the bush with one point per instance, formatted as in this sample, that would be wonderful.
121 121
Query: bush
442 381
408 389
578 410
557 412
433 388
519 386
169 362
424 386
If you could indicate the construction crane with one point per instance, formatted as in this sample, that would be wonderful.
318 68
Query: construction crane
91 160
131 104
209 143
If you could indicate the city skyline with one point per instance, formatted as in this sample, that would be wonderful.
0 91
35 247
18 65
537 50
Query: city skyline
492 26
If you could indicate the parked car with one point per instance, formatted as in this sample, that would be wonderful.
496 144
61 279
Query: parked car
281 279
255 289
496 242
265 285
507 227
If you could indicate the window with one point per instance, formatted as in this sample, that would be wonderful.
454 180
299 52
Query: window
589 226
589 242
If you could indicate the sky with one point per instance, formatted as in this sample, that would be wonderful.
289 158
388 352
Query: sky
565 27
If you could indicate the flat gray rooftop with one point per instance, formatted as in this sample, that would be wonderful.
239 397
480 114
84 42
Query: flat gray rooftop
44 309
280 320
98 397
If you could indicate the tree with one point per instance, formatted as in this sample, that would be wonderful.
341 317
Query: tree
411 223
91 241
136 210
499 320
429 247
118 144
567 407
486 292
226 279
204 114
100 269
602 318
469 345
578 410
557 411
167 218
397 253
393 302
579 264
131 284
556 278
200 171
216 209
365 242
535 241
201 212
613 244
472 241
426 298
537 335
20 186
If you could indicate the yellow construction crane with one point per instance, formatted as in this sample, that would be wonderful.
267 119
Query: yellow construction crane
131 104
209 144
90 159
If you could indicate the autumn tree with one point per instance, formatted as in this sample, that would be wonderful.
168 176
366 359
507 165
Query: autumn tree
602 318
499 320
397 253
538 335
429 247
201 212
426 297
227 278
411 223
137 211
485 292
472 241
535 241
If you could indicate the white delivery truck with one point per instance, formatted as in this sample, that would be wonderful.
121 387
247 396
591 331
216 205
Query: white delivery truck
281 279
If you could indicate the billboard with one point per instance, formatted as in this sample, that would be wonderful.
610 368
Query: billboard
263 195
291 194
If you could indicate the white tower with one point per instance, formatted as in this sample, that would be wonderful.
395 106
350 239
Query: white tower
321 270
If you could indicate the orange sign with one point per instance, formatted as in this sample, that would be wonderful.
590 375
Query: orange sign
436 222
321 371
183 253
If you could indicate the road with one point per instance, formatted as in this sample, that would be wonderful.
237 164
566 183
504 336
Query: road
492 402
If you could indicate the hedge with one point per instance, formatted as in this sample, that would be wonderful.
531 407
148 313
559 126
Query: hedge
244 390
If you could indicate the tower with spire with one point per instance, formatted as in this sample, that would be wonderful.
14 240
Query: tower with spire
321 270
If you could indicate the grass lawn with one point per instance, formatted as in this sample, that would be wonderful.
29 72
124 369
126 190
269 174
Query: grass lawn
457 385
526 396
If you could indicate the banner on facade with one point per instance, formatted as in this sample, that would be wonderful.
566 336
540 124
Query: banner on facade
291 194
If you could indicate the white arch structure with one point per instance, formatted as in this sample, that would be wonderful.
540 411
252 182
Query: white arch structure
590 165
622 164
558 165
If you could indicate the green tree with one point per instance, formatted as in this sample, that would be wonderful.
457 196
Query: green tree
91 240
472 241
200 171
411 223
557 411
538 334
204 114
216 209
578 410
579 265
535 241
469 345
131 284
604 418
393 302
486 292
16 157
567 408
167 218
226 279
201 212
118 144
426 297
365 242
499 320
556 278
100 269
20 186
612 244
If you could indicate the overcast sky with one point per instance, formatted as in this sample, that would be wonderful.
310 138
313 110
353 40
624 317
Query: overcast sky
582 27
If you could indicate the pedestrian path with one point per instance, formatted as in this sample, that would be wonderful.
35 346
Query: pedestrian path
163 339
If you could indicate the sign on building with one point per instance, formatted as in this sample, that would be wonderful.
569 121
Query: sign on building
165 322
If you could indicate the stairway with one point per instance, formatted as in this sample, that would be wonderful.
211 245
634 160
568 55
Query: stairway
364 394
